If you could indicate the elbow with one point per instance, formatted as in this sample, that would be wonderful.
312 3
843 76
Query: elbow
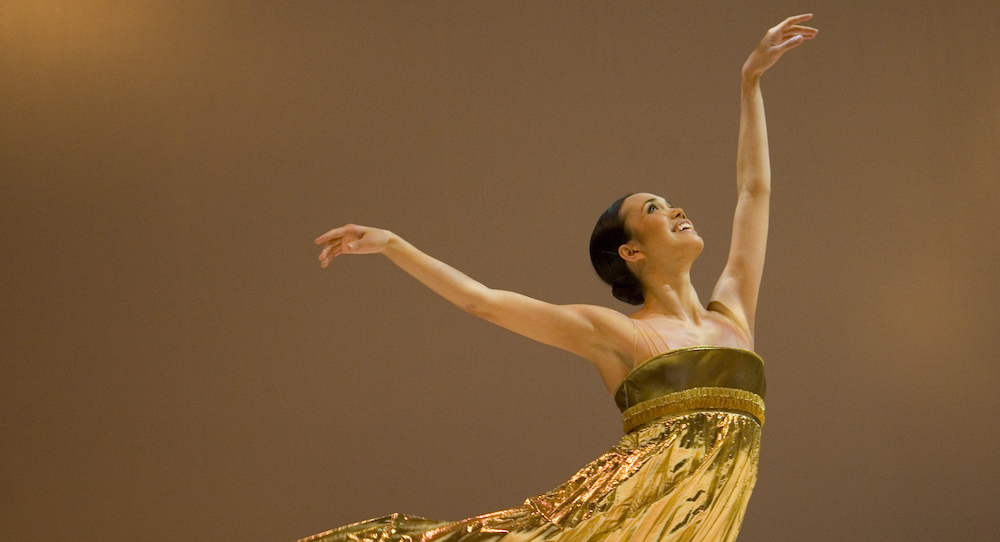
758 188
473 307
478 304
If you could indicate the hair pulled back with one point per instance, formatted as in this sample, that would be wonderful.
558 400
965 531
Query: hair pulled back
609 234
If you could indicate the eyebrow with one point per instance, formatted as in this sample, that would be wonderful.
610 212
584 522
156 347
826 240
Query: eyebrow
667 203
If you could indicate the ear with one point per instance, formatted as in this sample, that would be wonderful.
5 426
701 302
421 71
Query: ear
630 253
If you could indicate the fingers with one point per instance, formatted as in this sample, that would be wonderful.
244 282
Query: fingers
791 42
330 252
323 262
791 25
334 234
786 35
329 235
804 31
348 239
328 249
794 36
794 20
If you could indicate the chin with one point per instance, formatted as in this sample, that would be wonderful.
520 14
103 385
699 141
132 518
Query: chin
696 246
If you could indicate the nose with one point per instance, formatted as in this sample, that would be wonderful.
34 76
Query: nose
676 213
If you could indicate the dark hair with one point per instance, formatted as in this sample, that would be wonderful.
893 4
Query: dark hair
609 234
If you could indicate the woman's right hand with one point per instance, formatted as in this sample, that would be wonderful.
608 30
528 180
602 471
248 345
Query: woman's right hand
602 335
351 239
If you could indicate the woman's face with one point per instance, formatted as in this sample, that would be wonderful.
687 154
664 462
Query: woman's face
660 230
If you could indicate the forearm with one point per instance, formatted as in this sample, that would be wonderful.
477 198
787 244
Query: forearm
448 282
596 333
753 167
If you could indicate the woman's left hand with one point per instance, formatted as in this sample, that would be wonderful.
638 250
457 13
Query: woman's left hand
787 35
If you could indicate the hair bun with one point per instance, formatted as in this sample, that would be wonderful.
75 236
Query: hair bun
629 293
609 234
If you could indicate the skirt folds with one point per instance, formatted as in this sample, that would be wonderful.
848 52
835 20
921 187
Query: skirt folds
684 477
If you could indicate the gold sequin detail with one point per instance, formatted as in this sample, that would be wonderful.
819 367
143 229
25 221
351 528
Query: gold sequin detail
694 399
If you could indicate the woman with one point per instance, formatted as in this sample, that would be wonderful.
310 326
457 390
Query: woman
692 410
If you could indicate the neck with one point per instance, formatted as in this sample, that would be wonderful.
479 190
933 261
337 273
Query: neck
672 295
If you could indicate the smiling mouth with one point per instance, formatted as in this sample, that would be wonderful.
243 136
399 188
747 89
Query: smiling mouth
684 226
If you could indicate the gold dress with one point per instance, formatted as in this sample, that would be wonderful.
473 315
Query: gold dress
683 471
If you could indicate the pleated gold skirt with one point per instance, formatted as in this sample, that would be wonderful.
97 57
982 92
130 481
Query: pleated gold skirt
682 477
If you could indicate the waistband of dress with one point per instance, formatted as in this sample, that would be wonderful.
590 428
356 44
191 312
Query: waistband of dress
706 398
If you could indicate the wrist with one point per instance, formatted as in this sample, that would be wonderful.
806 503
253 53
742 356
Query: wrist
749 76
392 242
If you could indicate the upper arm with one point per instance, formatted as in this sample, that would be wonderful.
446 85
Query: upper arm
599 334
740 281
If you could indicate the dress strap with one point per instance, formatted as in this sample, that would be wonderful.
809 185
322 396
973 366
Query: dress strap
635 349
635 341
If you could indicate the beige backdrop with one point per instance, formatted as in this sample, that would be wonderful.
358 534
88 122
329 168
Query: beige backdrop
176 366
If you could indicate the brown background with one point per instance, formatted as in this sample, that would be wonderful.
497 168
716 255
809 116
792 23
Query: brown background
176 366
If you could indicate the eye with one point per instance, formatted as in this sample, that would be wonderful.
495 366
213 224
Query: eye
652 207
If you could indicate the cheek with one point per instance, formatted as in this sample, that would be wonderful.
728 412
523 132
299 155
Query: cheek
644 230
657 224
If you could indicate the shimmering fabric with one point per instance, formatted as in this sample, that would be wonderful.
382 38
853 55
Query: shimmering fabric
686 476
693 399
694 367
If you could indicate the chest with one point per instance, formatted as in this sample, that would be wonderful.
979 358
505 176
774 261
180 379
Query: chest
658 335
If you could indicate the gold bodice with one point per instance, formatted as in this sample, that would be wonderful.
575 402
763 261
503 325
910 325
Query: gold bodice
699 377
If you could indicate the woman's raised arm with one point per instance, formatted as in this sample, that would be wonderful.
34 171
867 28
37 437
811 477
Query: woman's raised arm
599 334
740 281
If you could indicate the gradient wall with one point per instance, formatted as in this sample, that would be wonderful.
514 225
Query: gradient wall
174 364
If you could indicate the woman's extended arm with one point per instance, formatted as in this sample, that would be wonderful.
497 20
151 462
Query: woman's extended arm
740 281
599 334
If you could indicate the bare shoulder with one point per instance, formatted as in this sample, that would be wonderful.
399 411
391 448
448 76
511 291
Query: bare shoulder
734 321
602 316
611 327
614 333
